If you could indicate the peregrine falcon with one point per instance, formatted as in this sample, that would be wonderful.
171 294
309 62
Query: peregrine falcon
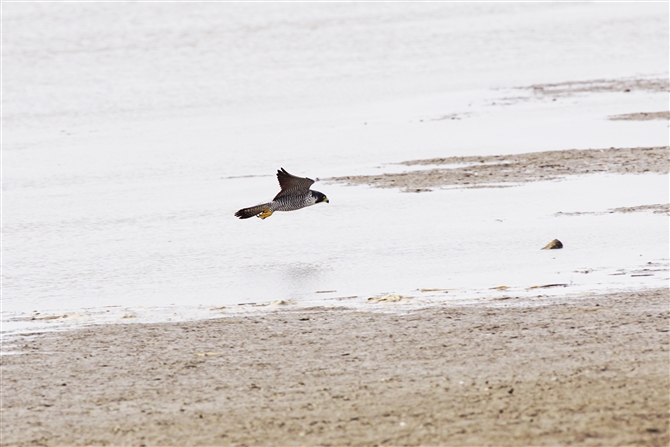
294 194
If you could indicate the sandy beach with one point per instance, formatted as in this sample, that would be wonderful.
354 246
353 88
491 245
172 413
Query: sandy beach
583 370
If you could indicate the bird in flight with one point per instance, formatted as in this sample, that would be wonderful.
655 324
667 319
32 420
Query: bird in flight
294 194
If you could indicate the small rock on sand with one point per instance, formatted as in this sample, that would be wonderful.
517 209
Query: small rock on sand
553 245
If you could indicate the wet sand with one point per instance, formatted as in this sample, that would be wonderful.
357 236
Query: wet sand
642 116
507 170
626 85
586 370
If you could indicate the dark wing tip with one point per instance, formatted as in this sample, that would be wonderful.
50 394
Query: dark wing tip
290 181
283 172
284 176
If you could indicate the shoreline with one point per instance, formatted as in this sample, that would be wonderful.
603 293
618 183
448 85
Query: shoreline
575 370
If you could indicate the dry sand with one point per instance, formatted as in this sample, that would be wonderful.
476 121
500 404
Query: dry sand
570 370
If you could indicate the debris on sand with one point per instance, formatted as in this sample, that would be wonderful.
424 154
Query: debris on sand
281 303
548 286
389 299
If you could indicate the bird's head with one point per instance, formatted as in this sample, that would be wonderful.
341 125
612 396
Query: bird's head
320 197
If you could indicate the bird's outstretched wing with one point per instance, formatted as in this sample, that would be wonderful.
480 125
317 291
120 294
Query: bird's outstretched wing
290 184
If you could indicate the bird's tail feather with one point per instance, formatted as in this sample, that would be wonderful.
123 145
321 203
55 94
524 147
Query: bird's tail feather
252 211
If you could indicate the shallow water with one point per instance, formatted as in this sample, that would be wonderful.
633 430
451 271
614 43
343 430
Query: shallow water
128 144
365 243
74 63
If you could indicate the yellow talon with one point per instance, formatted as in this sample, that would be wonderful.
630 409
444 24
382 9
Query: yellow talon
265 214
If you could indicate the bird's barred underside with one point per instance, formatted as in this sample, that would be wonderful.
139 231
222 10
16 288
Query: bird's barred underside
292 203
